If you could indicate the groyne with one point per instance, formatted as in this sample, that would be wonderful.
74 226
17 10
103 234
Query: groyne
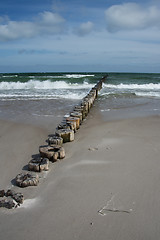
54 150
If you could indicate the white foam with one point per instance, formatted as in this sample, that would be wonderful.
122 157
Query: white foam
43 95
88 162
36 84
65 76
9 76
29 203
149 86
79 75
148 94
105 110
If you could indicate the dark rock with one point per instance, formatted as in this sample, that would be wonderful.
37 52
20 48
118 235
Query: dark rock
53 153
66 134
77 114
18 197
28 179
2 193
55 140
9 193
9 204
2 203
38 164
74 119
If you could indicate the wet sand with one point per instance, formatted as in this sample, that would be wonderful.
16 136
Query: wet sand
107 187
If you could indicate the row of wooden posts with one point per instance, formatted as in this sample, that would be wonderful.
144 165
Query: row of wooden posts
65 132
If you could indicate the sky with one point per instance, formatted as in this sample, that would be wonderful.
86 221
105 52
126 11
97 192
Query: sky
79 36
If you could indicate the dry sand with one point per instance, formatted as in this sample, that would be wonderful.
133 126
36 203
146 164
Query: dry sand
107 187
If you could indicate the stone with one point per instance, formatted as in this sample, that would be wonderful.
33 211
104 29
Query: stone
55 140
91 98
67 125
18 197
77 115
63 126
2 193
2 203
9 203
38 164
87 99
96 91
85 108
27 179
72 125
53 152
10 193
80 109
11 199
93 92
74 119
66 134
98 86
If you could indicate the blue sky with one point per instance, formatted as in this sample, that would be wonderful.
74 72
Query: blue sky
79 35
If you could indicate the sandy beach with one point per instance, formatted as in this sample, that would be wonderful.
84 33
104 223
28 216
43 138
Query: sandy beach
107 187
17 144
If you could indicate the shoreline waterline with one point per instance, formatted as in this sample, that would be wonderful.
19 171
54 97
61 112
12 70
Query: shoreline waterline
52 94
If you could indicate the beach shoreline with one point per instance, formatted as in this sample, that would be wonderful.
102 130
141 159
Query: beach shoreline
107 187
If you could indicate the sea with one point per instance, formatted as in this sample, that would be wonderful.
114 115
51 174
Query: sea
44 98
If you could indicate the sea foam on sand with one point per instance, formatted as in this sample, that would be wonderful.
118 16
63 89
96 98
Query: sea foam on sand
30 203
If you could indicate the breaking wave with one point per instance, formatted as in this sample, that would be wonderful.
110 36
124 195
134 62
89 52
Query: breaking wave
35 84
129 90
149 86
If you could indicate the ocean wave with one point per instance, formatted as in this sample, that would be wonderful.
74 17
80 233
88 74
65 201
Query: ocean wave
148 94
63 76
35 84
78 75
9 76
149 86
117 94
44 77
18 96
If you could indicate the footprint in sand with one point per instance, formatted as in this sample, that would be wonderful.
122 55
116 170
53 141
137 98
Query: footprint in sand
92 149
108 148
95 148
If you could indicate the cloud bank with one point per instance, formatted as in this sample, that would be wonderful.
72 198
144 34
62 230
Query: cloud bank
45 23
122 17
131 16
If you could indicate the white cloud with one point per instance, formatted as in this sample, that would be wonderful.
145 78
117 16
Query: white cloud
85 28
49 18
113 51
46 23
131 16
